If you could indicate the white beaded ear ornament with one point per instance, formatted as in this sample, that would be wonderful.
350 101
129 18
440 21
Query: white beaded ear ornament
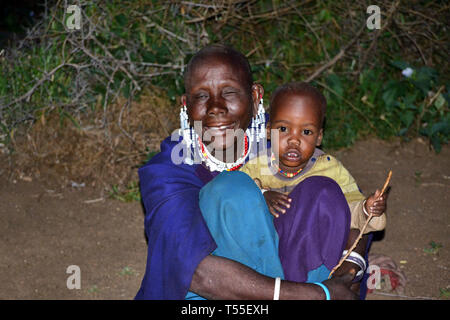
258 124
188 133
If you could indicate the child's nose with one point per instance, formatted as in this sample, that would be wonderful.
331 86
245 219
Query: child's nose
294 139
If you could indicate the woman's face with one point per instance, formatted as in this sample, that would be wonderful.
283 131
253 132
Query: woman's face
218 96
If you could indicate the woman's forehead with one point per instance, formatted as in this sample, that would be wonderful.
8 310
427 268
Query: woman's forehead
217 68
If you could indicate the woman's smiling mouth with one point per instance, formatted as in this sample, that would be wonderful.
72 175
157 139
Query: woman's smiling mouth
219 127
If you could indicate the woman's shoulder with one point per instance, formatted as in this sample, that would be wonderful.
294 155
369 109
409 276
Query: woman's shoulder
161 178
166 163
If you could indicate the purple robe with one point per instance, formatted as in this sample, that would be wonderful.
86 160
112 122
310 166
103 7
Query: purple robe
178 238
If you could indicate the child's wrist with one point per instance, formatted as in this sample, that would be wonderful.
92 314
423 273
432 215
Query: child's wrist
364 208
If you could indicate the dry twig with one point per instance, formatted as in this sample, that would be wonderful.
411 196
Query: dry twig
337 57
362 230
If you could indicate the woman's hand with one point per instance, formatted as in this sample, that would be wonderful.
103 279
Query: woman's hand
277 202
375 204
339 287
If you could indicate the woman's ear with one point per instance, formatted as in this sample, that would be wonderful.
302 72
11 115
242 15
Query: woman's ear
183 100
268 133
257 94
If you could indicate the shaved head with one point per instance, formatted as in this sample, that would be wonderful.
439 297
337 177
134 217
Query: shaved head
227 55
300 89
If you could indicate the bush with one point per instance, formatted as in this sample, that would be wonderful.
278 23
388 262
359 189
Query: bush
125 46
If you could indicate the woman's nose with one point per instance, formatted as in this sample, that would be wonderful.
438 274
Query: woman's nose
216 106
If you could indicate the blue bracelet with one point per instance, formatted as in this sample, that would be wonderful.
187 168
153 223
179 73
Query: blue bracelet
327 292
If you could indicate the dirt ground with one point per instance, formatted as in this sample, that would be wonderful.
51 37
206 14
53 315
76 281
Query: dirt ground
46 227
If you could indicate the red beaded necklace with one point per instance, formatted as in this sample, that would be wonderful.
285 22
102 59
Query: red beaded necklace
207 158
284 173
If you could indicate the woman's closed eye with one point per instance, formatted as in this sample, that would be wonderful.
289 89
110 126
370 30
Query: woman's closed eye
201 96
229 92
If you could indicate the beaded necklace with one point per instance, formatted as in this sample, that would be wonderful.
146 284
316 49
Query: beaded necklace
216 165
284 173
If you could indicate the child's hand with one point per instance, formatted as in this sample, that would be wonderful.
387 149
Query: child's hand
277 202
375 204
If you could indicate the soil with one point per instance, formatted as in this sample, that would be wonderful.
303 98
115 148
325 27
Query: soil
45 227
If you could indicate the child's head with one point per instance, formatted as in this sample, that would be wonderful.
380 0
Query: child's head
220 92
297 110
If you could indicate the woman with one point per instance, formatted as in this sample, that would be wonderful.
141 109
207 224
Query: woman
214 257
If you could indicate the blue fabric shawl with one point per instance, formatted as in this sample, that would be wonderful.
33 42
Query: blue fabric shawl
178 238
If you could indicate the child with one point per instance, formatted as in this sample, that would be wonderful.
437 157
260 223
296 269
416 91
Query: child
297 111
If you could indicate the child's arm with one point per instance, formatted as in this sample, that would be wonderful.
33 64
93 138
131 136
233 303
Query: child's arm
360 211
277 202
357 202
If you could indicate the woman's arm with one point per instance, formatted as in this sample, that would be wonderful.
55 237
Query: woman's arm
221 278
349 267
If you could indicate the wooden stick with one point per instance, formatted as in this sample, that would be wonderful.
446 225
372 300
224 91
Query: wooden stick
388 179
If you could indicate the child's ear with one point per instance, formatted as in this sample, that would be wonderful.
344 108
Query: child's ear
319 138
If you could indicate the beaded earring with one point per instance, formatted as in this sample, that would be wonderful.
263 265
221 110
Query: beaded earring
258 124
189 135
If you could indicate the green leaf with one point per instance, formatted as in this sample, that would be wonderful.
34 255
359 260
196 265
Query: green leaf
121 20
324 15
436 143
334 82
389 97
407 118
440 102
440 127
424 79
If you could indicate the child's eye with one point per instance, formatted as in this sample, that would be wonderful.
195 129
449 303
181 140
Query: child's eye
307 132
282 129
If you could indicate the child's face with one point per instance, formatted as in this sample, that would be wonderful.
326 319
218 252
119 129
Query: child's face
219 96
298 120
